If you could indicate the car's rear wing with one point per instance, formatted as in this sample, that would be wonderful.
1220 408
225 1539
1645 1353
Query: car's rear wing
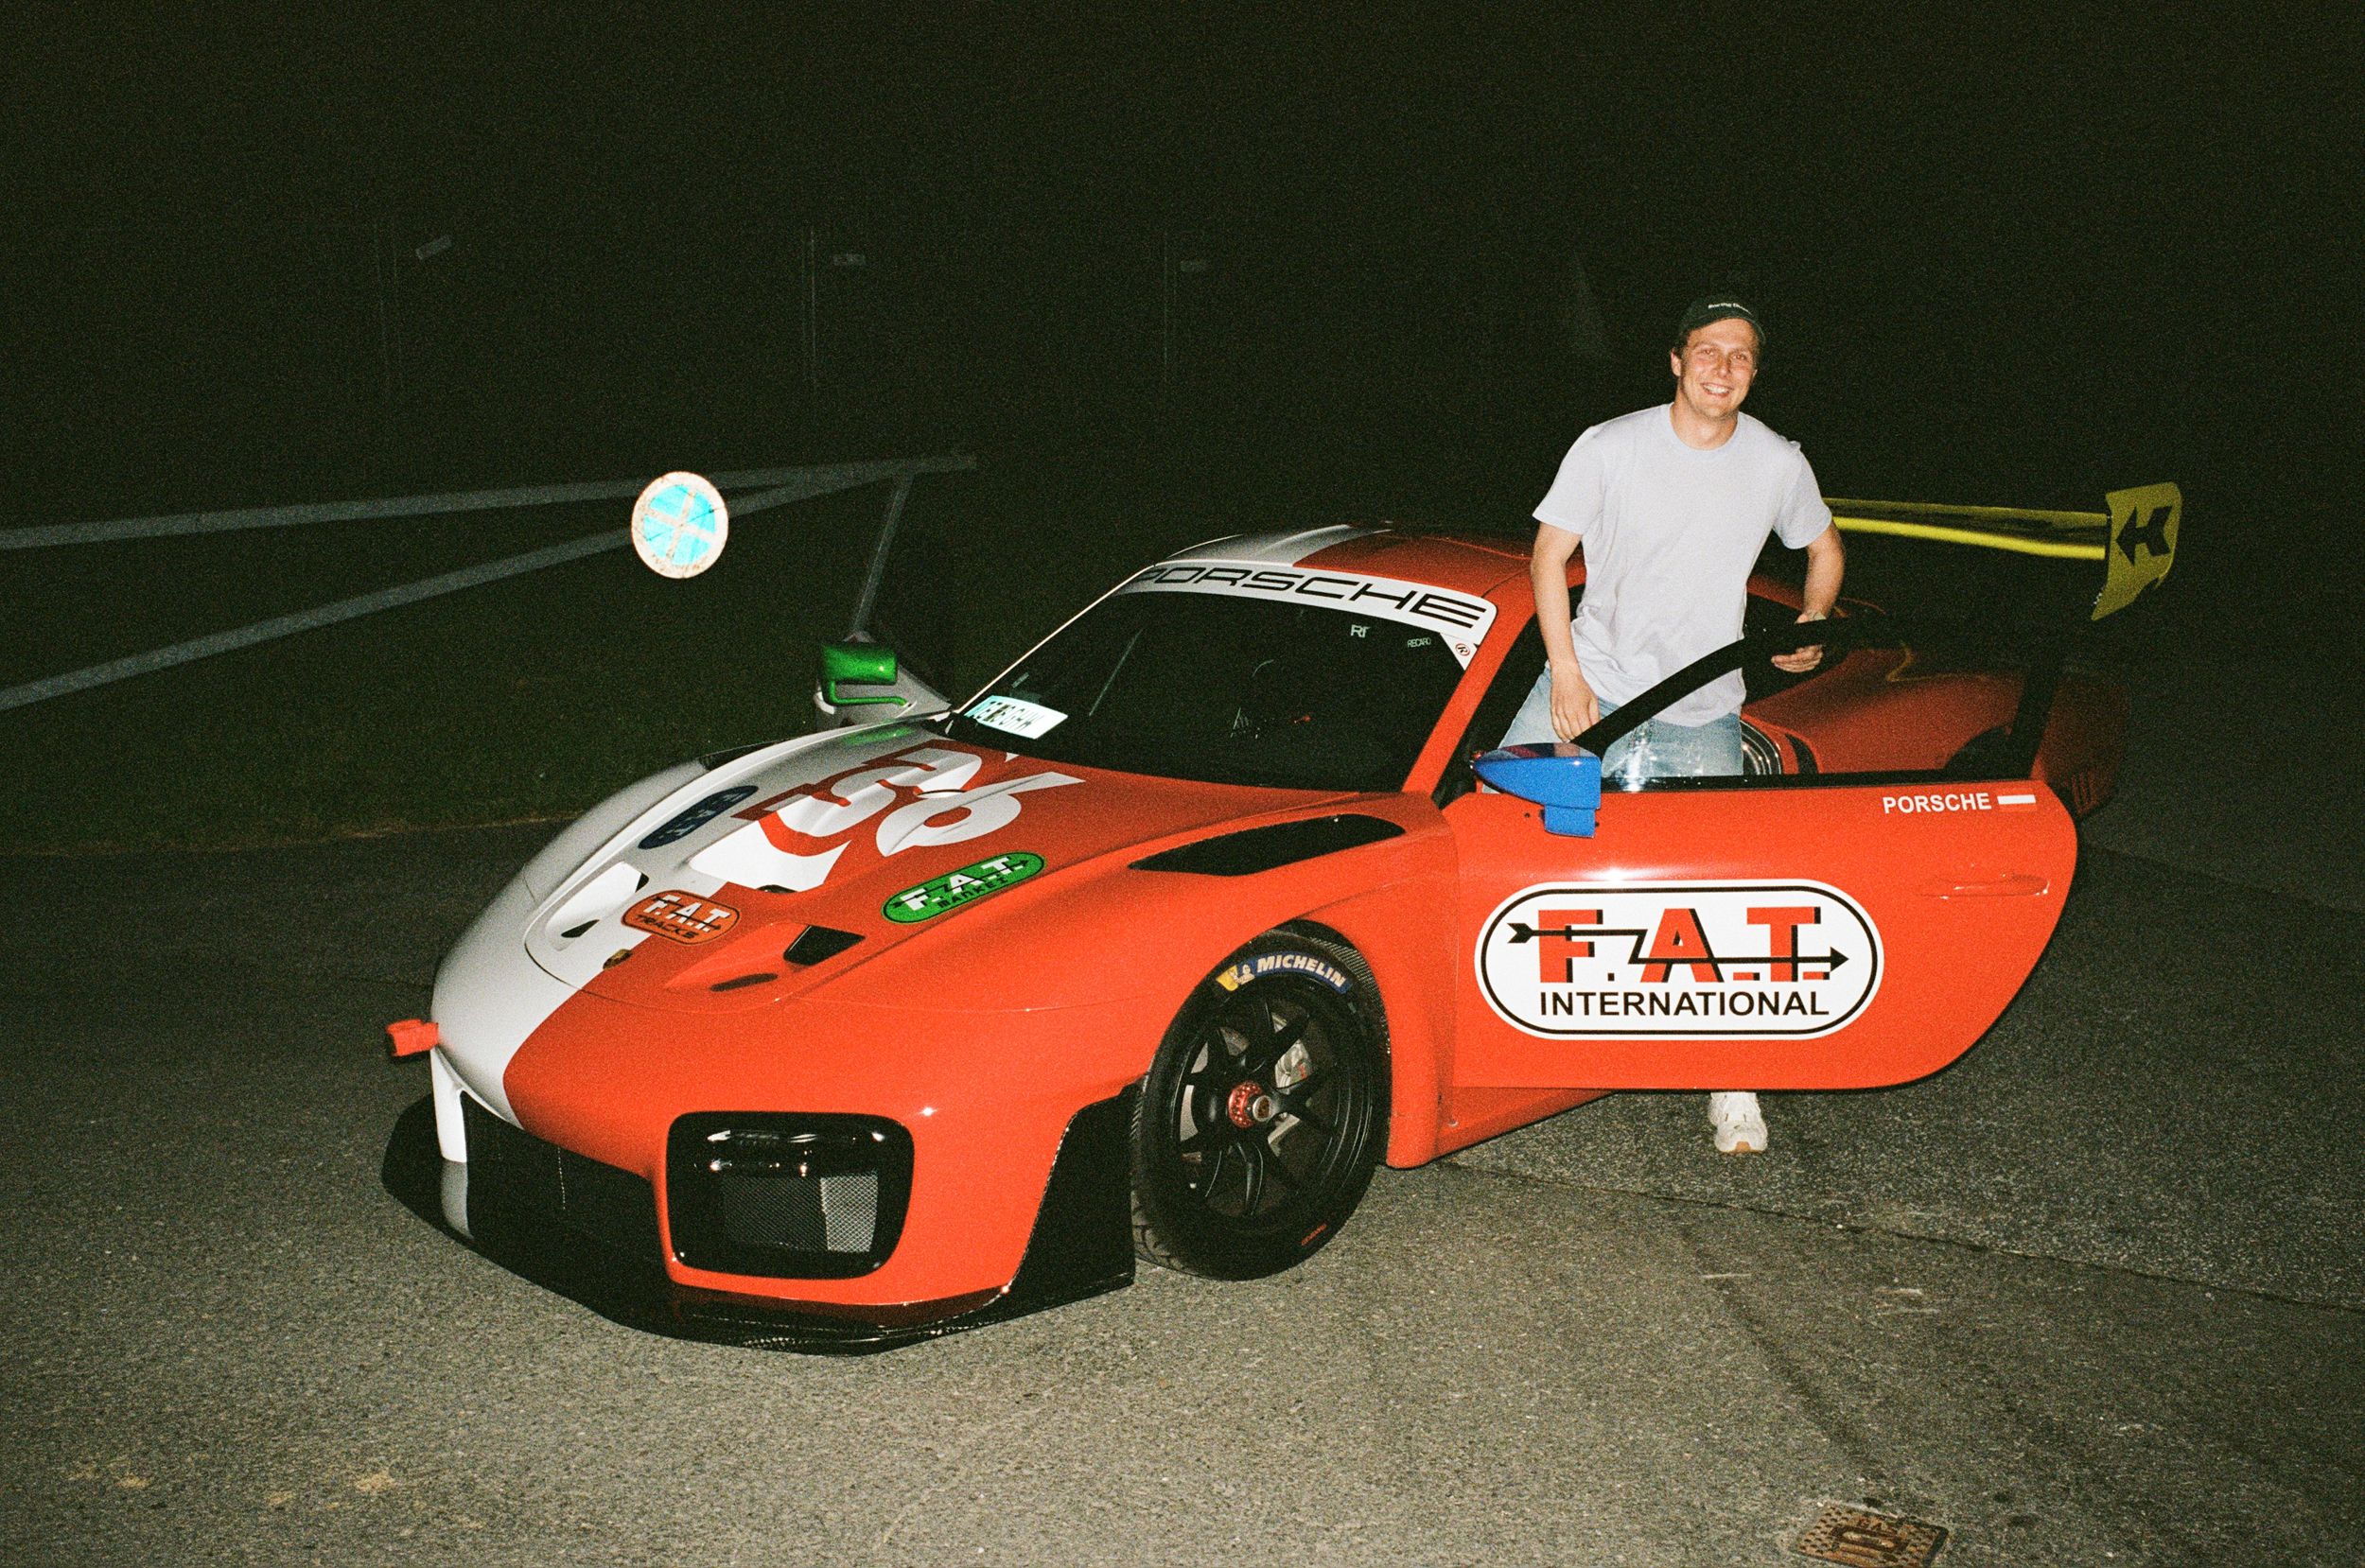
2134 537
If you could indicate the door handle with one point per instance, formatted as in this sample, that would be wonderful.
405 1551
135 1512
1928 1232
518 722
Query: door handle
2016 884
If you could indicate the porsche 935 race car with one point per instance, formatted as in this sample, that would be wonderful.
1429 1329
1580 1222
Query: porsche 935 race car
1162 941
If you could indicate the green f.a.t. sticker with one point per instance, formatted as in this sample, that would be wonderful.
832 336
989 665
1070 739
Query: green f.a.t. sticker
954 888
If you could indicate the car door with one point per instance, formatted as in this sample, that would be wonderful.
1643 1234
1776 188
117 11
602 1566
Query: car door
1781 934
1826 930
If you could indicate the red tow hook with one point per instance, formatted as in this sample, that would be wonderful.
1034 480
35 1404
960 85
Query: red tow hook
414 1037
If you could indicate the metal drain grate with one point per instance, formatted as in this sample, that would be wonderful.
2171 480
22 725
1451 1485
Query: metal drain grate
1861 1540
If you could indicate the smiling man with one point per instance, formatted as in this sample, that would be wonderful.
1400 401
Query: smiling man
1672 506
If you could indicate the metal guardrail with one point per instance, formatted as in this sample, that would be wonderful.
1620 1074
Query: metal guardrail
779 487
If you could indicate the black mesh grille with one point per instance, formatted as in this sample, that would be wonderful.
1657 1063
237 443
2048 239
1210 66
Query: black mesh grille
837 1213
787 1196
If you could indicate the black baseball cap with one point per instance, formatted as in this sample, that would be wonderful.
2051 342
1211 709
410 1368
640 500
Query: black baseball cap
1716 307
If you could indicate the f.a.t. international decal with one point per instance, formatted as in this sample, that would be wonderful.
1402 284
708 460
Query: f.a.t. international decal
1713 960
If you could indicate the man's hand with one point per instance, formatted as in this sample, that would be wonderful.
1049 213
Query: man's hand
1827 559
1575 710
1796 662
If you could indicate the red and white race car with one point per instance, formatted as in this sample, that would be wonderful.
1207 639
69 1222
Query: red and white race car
1164 939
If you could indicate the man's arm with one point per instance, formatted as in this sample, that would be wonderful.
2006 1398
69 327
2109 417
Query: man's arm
1826 563
1575 708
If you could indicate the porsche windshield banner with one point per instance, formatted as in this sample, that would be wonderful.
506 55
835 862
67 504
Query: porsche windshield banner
1740 960
1460 619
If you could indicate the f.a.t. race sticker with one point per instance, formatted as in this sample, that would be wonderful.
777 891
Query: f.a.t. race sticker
682 916
1740 960
939 895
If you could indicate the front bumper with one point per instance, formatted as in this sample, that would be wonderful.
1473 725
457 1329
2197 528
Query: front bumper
592 1232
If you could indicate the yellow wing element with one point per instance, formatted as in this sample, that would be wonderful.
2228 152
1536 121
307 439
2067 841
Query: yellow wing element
2067 535
2135 539
2142 543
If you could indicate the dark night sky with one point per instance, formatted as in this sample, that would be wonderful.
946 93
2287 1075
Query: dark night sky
1971 224
1962 117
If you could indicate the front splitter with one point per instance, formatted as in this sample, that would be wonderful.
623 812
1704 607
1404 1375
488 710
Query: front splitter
1081 1246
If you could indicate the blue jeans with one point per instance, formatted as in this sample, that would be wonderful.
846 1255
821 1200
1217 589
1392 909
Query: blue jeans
1669 751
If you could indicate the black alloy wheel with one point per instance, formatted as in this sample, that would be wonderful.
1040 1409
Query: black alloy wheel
1264 1112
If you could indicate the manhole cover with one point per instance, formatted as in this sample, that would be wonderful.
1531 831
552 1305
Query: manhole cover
1861 1540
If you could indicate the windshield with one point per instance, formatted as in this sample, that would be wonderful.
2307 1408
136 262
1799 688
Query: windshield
1225 689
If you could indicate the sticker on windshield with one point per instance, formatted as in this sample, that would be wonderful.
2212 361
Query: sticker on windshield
1016 716
1715 960
1460 617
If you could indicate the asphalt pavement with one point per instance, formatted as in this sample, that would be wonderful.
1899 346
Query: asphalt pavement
2095 1295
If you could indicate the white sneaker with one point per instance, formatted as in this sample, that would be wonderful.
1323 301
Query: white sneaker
1740 1125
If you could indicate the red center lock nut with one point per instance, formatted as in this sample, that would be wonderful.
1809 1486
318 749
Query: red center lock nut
1250 1104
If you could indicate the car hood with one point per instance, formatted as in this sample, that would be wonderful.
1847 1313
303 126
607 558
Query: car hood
769 875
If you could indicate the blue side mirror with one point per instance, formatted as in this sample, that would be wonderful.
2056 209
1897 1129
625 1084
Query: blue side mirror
1562 778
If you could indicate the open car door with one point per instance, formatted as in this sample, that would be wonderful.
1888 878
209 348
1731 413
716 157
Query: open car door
1816 932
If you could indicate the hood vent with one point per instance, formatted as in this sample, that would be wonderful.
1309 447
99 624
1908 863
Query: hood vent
715 759
1257 849
596 900
817 943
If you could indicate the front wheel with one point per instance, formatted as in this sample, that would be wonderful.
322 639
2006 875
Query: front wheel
1264 1112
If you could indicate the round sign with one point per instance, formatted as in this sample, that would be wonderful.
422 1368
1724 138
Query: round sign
678 525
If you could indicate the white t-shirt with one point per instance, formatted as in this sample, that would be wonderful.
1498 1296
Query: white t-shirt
1670 534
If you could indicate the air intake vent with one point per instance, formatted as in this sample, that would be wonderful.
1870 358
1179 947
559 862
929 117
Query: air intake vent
815 943
1255 849
545 1185
787 1196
